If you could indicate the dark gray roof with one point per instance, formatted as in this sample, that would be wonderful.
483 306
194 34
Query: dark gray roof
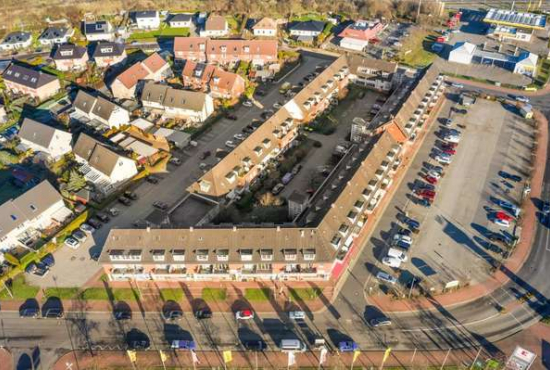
36 132
181 18
308 26
27 77
52 33
16 37
68 51
84 101
99 106
96 27
103 108
108 49
27 206
145 14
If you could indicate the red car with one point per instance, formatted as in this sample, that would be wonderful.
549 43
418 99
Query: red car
503 216
429 194
449 146
449 151
432 180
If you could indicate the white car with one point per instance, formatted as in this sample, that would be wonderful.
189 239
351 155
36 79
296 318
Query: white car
391 262
72 243
452 139
501 222
402 238
386 278
239 137
522 99
434 174
443 159
230 144
89 229
457 85
297 315
247 103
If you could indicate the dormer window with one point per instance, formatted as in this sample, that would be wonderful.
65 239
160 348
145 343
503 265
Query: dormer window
258 150
266 143
202 255
266 254
309 254
290 254
222 255
246 254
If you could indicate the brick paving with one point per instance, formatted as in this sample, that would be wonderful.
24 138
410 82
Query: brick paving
534 339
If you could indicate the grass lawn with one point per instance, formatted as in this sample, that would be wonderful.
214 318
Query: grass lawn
415 51
257 295
326 123
100 294
171 294
61 293
214 294
305 294
20 289
307 17
163 31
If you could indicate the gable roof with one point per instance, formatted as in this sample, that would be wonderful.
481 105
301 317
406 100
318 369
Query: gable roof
310 25
154 62
265 23
68 51
96 154
258 47
146 14
173 98
98 27
201 71
355 61
17 37
181 17
90 104
223 79
36 132
188 44
52 33
215 23
103 108
108 49
130 77
464 47
27 206
84 101
27 77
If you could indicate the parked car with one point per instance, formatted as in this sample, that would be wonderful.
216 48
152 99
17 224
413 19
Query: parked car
402 238
131 195
380 321
501 222
53 313
230 144
231 116
522 99
546 208
254 345
205 154
173 314
386 278
244 315
95 223
277 189
152 179
87 228
203 313
457 85
431 180
347 346
239 137
79 235
124 200
509 176
449 151
184 344
296 169
48 260
447 121
424 202
452 138
425 193
175 161
160 205
248 103
102 217
297 315
391 262
113 211
443 159
449 145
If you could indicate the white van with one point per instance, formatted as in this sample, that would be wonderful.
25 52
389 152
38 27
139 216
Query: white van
392 262
293 345
399 254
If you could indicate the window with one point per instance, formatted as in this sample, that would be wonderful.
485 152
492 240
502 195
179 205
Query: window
266 254
178 254
336 240
309 254
290 254
222 254
352 215
246 254
202 255
343 228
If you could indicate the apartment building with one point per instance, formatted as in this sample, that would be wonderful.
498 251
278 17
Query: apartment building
373 73
316 243
69 57
225 52
37 84
153 68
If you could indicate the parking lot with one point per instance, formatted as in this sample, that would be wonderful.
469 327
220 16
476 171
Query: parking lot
75 268
469 197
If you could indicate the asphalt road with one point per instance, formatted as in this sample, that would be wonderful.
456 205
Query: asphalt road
477 323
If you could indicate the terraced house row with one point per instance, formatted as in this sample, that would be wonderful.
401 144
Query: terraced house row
313 245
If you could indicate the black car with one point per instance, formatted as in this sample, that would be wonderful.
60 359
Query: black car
32 312
124 200
496 237
424 202
120 315
136 339
203 313
205 154
102 217
494 248
231 117
175 314
53 313
509 176
254 345
260 92
130 194
152 179
96 224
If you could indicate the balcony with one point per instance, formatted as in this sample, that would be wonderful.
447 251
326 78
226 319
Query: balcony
128 273
170 271
130 256
213 269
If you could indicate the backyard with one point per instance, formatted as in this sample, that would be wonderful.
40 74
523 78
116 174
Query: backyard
163 31
415 51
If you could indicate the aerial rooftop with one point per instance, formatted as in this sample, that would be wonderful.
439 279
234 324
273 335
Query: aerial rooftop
517 19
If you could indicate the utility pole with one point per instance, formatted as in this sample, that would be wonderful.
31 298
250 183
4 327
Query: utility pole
418 10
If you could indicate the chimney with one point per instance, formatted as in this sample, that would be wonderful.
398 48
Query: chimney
191 229
148 229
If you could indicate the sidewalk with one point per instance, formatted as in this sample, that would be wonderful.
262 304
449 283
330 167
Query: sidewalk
534 339
512 265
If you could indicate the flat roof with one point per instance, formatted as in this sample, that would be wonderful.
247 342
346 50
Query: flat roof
512 18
